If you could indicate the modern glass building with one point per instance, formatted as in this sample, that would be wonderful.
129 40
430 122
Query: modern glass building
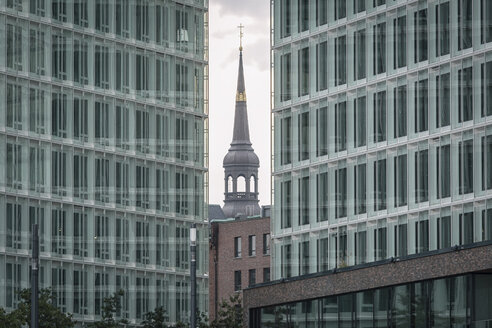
447 302
104 144
382 130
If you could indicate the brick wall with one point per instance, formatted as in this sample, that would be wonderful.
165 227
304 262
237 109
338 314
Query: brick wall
435 265
222 259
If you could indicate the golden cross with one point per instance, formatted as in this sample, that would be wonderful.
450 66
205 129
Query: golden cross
241 34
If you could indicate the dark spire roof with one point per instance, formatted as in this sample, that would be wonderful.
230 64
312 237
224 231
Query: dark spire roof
241 127
240 75
241 151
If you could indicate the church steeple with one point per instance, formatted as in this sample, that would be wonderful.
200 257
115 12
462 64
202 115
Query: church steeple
241 89
241 127
241 163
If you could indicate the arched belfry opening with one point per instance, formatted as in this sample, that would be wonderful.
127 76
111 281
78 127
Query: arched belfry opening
230 184
252 184
241 184
241 163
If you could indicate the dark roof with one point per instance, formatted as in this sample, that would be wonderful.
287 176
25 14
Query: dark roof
241 127
215 212
239 219
240 74
244 158
241 153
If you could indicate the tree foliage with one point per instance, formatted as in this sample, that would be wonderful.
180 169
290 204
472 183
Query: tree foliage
10 320
111 306
230 313
155 319
202 320
49 314
158 319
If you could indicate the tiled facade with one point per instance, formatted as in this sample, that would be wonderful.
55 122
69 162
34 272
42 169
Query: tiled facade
104 144
382 119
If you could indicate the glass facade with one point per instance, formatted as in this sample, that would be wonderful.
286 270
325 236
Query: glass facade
460 301
104 144
382 130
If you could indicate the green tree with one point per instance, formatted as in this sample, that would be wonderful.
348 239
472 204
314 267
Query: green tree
49 314
3 318
158 319
10 320
111 306
180 324
155 319
230 313
202 320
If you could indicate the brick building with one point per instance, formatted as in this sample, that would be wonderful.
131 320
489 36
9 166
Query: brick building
239 256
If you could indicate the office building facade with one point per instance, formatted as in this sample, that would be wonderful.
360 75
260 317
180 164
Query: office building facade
104 144
382 118
382 131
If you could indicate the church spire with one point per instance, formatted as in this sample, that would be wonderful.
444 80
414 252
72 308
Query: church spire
241 163
241 128
241 91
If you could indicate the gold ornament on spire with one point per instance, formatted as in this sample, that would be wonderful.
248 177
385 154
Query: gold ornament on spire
241 93
241 34
241 96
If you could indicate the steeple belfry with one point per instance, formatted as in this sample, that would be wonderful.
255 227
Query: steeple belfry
241 163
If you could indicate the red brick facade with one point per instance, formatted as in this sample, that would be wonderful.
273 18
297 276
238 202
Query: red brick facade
222 260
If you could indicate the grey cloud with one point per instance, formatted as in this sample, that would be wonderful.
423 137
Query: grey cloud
256 54
254 14
251 30
252 8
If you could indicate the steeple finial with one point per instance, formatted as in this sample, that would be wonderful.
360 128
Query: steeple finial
241 34
241 91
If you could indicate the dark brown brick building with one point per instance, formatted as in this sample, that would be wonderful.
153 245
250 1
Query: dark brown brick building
239 256
444 288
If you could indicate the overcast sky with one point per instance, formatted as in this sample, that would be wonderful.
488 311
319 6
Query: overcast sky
224 17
